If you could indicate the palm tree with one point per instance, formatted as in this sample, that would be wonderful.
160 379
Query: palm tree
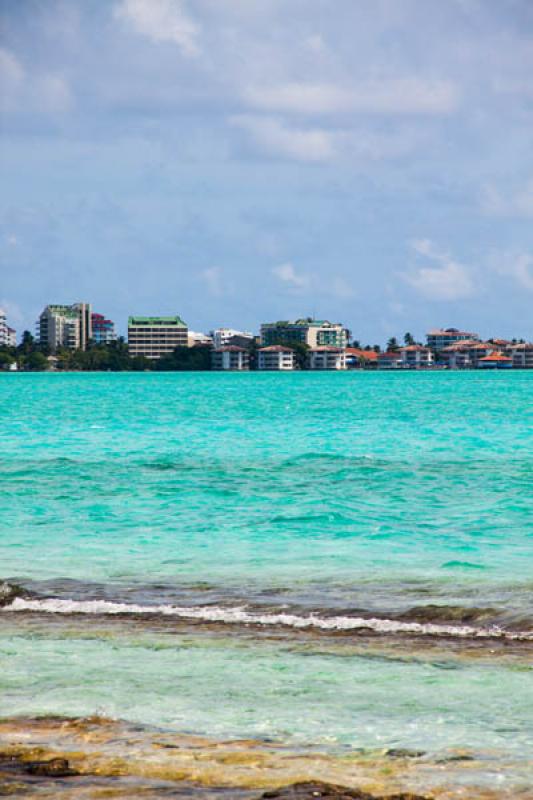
408 339
392 344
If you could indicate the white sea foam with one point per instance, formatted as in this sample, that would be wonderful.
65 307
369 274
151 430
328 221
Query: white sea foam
241 615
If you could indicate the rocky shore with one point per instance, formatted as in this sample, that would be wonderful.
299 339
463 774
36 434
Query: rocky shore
74 759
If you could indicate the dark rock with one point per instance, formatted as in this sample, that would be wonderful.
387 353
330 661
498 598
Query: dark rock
316 789
402 752
55 768
313 789
10 591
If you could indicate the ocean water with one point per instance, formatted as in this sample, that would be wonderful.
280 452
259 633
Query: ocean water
333 560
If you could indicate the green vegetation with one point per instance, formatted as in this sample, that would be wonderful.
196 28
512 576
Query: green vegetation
112 357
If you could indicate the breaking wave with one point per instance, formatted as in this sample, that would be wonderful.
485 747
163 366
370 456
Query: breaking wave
241 615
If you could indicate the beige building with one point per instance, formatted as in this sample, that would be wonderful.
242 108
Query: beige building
275 357
154 337
65 326
326 357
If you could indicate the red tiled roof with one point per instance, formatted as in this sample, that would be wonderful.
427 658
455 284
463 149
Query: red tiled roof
495 357
231 348
369 355
325 348
275 348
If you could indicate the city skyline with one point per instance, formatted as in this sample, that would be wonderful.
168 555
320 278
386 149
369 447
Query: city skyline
236 163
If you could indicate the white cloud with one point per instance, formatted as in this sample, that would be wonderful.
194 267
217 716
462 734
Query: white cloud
445 280
287 274
391 96
161 21
517 203
275 138
518 266
21 91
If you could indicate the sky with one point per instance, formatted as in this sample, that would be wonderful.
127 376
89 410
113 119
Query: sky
238 161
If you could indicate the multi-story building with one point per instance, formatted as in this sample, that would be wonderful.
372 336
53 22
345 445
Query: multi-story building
222 337
154 337
439 338
230 357
194 339
312 332
8 336
391 359
415 356
522 355
465 354
65 326
103 330
275 357
356 358
326 357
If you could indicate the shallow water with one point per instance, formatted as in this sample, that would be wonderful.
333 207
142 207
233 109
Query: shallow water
392 509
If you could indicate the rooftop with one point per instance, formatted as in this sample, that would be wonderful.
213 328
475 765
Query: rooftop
275 348
307 322
157 321
450 332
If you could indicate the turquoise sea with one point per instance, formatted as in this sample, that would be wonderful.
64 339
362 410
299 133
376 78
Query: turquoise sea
328 560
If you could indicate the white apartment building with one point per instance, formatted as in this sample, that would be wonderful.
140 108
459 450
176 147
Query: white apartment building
440 338
8 336
275 357
466 354
65 326
223 336
230 358
327 358
522 355
414 356
194 338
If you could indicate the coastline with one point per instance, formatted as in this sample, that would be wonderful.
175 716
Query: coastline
112 758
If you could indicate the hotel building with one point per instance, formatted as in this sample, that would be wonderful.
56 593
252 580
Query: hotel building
275 357
522 355
391 359
327 358
65 326
103 330
222 337
438 339
312 332
414 356
463 355
154 337
8 336
230 358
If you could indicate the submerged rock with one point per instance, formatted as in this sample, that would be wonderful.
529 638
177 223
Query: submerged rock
403 752
316 789
55 768
10 591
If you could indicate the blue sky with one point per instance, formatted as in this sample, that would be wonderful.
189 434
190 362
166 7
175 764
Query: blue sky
367 161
